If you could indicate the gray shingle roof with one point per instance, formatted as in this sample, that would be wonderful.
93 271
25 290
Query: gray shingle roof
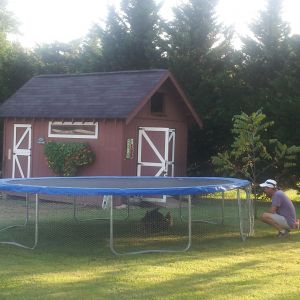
95 95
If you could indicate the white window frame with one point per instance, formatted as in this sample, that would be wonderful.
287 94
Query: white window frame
73 136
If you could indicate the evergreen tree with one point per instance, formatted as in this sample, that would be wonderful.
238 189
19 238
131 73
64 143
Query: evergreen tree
131 38
202 59
191 37
271 72
266 55
91 58
113 41
144 26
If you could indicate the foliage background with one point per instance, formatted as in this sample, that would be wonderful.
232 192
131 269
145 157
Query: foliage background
220 80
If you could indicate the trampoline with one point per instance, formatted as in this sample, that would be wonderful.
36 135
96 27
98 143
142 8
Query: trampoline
111 187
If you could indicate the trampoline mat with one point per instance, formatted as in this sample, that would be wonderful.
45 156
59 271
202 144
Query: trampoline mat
120 185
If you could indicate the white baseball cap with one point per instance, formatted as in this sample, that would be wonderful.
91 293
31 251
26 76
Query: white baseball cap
270 183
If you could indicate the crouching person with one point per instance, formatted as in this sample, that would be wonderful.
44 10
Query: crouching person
282 214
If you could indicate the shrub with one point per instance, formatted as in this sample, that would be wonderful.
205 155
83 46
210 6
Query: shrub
64 159
255 156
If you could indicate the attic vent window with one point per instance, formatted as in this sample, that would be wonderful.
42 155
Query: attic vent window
157 104
82 130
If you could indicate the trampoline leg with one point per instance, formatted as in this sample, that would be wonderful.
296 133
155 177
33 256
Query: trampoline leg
94 219
250 211
180 208
189 223
250 214
111 239
36 221
240 214
223 208
111 226
74 209
242 233
36 227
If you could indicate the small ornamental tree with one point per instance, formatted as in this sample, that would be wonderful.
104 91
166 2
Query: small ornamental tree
255 157
64 159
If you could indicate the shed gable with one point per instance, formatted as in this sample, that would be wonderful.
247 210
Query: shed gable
111 95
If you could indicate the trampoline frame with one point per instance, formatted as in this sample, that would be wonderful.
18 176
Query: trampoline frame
111 235
111 220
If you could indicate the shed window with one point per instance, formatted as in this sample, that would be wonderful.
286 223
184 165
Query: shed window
157 104
82 130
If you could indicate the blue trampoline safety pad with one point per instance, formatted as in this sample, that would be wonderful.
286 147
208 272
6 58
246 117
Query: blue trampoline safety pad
121 185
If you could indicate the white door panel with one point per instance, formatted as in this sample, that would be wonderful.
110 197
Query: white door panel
21 151
156 151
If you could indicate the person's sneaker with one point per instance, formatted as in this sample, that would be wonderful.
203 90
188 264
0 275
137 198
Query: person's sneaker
284 233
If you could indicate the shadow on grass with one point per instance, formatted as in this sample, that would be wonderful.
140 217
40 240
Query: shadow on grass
216 267
73 261
214 271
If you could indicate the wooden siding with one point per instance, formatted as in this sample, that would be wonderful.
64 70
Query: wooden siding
110 147
174 118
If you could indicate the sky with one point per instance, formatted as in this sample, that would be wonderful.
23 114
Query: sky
46 21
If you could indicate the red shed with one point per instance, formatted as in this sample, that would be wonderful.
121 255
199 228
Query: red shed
135 122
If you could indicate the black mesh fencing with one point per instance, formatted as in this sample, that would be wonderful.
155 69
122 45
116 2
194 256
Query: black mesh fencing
125 224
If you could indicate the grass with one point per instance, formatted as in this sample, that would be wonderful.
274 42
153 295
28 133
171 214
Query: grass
74 263
292 194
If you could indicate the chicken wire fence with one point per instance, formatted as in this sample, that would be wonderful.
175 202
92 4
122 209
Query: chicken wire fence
127 225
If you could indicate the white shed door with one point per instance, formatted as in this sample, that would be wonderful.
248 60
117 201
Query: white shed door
156 151
21 151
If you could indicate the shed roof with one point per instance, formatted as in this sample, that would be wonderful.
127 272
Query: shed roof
88 96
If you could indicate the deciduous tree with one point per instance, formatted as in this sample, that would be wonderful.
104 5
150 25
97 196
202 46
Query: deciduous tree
254 155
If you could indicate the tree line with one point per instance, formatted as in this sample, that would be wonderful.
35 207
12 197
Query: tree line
220 80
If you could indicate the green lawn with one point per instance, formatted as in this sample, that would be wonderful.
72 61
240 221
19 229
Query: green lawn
74 262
